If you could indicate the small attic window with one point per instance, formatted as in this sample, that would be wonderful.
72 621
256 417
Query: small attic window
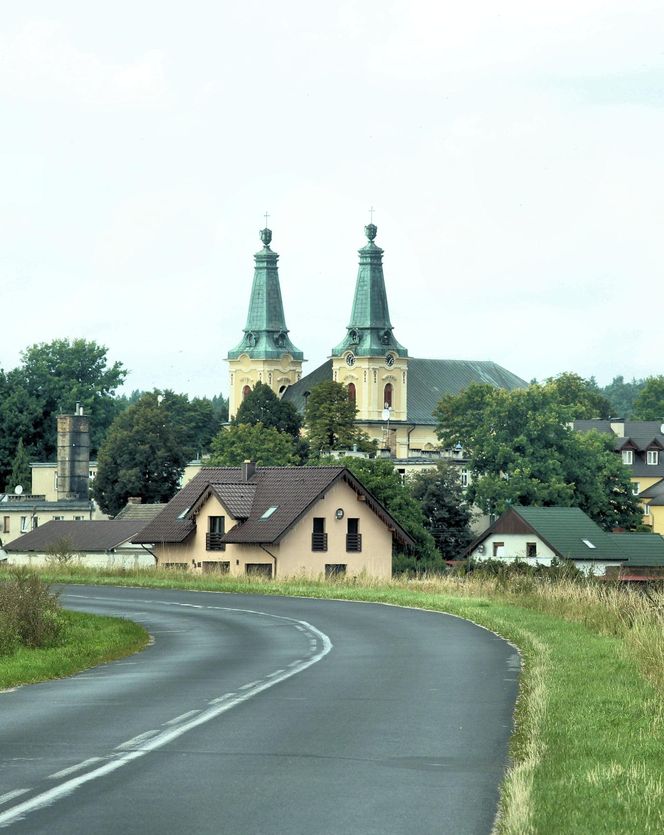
184 513
269 512
588 543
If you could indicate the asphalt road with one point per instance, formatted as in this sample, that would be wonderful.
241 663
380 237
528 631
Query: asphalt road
252 714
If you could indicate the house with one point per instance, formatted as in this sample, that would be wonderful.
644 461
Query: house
97 544
395 394
538 535
640 443
277 522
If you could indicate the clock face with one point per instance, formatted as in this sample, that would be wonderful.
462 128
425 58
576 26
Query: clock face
389 360
350 359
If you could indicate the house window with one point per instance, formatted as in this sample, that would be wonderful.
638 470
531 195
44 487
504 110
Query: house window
246 391
259 569
652 456
35 522
335 570
627 456
646 509
531 549
387 396
58 518
318 535
79 518
464 477
5 524
24 524
636 488
498 549
352 394
353 535
215 532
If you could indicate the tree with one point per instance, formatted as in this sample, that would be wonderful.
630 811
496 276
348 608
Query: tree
20 420
384 482
267 446
329 417
622 396
142 455
523 451
446 512
262 405
649 403
584 396
20 473
62 373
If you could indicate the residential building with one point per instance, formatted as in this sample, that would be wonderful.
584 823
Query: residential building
640 444
277 522
95 544
539 535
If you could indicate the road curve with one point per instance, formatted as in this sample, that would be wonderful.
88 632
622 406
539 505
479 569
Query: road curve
252 714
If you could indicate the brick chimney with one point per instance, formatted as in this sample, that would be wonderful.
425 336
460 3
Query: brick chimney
248 469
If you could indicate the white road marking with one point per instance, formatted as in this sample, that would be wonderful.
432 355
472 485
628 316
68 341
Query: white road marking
251 684
221 699
162 738
5 798
72 769
275 673
136 741
181 718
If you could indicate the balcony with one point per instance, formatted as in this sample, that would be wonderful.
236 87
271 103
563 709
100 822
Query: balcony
318 541
213 542
353 541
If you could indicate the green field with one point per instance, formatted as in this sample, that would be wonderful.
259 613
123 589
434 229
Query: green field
588 747
88 640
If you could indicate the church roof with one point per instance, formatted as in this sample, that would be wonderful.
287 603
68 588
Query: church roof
265 333
369 332
428 381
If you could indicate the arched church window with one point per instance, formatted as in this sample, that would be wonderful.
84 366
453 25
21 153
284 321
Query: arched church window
352 394
387 396
246 391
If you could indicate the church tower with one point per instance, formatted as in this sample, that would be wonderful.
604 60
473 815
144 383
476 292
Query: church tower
265 353
369 360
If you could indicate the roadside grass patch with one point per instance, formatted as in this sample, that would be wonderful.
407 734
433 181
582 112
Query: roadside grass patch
587 751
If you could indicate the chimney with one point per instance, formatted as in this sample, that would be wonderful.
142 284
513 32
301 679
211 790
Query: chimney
248 469
73 456
134 500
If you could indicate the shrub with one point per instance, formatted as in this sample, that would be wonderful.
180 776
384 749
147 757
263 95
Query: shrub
29 612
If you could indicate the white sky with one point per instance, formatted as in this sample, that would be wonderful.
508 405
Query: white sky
513 153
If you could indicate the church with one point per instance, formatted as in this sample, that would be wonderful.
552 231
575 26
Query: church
395 394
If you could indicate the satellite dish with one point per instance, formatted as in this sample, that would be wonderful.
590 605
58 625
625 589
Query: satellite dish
661 429
18 489
386 414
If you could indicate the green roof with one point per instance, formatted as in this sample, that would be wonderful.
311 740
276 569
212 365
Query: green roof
265 333
369 332
641 550
568 530
428 381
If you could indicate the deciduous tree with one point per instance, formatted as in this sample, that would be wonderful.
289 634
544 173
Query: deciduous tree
446 512
649 404
262 405
266 446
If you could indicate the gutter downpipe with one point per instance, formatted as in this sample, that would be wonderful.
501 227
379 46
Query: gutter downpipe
154 556
410 432
270 555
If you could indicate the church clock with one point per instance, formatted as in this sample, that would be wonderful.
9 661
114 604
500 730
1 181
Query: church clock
350 360
389 360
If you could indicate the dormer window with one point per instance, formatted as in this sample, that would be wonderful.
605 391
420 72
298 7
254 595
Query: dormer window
652 456
627 456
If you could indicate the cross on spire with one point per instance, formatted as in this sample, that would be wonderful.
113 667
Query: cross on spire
266 217
371 212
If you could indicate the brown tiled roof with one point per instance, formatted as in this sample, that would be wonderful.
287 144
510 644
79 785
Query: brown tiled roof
291 490
96 535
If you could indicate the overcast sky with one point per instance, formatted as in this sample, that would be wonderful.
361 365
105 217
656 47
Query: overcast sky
512 151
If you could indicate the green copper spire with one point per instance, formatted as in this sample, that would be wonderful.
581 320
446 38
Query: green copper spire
369 333
265 334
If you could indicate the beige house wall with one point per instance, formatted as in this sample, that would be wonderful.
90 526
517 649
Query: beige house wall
44 479
244 371
294 556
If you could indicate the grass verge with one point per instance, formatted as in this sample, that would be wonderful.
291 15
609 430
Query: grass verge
587 749
88 640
